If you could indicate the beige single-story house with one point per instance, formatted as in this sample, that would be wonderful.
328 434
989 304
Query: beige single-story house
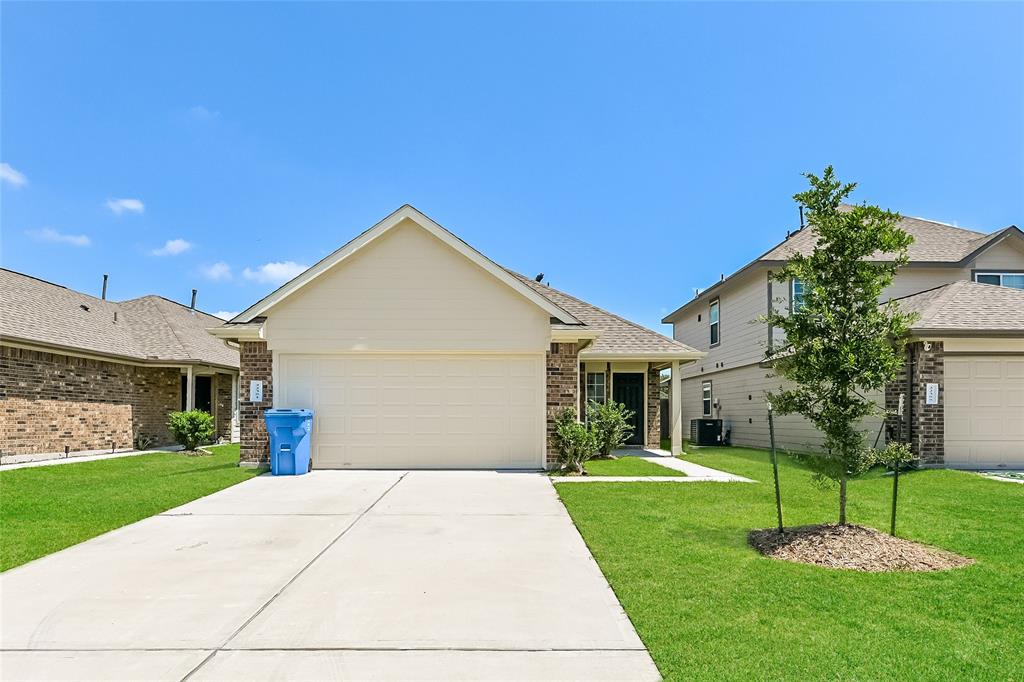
80 374
414 350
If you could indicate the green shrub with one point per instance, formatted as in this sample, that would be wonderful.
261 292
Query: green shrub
575 442
610 424
192 428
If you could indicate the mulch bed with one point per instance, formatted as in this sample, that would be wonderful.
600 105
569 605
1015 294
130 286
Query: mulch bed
852 547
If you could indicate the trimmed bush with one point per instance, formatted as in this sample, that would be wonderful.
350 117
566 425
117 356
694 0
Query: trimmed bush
191 429
575 442
610 424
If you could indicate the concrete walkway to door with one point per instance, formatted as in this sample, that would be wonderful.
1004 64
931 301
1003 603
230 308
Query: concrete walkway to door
334 575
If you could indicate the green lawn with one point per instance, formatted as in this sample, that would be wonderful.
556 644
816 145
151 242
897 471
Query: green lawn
709 607
626 466
45 509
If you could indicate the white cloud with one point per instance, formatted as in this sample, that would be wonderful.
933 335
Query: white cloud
225 315
201 113
275 273
218 272
50 235
11 176
120 206
172 248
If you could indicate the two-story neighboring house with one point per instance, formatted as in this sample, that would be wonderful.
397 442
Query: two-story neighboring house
964 399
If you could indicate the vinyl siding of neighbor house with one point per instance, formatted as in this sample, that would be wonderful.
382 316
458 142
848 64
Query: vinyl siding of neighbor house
732 365
742 338
407 291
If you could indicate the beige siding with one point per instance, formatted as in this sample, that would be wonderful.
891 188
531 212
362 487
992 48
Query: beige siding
1007 255
743 338
740 394
407 291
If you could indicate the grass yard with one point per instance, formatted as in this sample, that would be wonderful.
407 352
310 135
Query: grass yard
626 466
709 607
45 509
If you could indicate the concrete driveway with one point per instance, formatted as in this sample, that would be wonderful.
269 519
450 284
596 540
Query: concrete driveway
352 575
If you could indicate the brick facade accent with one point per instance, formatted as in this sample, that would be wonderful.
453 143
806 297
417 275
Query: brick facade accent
222 405
927 422
257 363
653 407
51 401
563 385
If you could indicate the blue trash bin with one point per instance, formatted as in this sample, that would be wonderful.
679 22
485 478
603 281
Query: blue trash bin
289 432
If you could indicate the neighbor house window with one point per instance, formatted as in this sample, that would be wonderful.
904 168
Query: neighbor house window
1014 280
796 295
595 387
705 398
713 322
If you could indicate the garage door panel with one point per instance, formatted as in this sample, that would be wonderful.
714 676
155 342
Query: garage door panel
984 411
420 411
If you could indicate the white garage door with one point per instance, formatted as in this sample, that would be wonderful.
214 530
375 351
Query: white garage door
984 411
419 411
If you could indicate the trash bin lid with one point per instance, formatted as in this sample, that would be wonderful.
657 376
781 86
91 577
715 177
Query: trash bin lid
277 412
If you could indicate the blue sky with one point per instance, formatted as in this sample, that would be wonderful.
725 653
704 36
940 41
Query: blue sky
630 152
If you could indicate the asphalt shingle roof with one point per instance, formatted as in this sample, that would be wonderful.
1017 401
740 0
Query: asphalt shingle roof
967 306
618 336
933 242
150 328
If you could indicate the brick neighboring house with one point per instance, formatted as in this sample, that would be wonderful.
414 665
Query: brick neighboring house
416 351
83 374
968 345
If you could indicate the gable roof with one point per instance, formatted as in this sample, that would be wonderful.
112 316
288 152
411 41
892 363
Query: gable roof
935 244
150 329
403 213
618 336
967 307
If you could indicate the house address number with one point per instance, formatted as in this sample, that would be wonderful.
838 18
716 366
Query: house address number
256 391
931 394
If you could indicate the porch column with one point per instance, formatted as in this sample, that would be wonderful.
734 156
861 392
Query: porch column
675 408
190 391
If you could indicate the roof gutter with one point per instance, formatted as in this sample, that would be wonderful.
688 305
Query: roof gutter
31 344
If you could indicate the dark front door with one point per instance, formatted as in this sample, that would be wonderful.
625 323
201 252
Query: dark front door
204 394
628 389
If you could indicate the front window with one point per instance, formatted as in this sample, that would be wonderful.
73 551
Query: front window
1014 280
595 387
796 295
705 398
713 322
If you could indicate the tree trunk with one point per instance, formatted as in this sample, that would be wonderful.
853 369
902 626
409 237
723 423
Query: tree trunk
842 500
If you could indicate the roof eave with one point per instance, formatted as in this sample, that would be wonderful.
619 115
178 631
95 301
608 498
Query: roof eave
114 357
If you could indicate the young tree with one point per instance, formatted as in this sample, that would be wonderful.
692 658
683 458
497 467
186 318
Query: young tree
839 342
610 424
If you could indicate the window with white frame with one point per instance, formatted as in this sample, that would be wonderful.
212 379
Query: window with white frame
595 387
796 295
713 323
1013 280
705 398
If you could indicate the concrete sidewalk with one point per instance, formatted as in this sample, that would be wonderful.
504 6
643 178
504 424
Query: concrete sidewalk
333 575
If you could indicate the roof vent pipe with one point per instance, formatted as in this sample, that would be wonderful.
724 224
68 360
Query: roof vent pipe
194 292
801 217
103 295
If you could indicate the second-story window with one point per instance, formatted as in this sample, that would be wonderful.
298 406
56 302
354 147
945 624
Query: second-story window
796 295
713 323
1014 280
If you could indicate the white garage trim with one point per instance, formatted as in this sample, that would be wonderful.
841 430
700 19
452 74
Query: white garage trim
447 410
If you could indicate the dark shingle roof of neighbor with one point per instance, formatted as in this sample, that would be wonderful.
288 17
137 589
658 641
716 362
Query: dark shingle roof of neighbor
148 329
965 306
618 336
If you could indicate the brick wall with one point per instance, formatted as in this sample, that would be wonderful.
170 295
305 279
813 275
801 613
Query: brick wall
563 368
257 363
927 422
223 406
49 401
653 407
